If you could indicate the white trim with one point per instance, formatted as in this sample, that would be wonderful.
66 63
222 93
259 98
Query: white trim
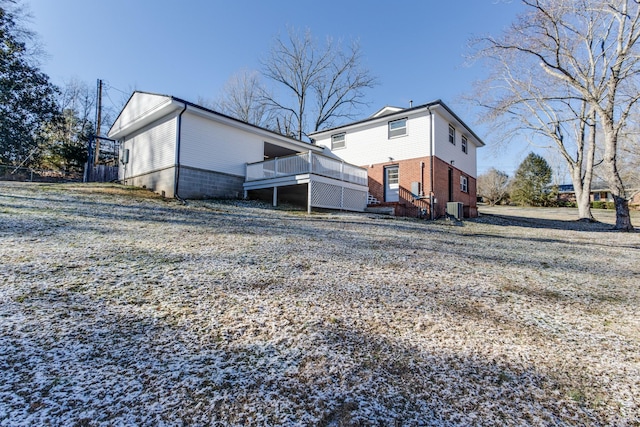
149 116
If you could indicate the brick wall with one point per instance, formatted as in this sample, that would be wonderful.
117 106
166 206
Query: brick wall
418 170
441 189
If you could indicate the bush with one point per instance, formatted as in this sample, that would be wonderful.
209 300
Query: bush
601 204
567 204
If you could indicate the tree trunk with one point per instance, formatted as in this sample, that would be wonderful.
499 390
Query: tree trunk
583 193
582 190
623 219
583 201
614 181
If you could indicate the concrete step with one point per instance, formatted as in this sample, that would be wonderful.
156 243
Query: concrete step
382 210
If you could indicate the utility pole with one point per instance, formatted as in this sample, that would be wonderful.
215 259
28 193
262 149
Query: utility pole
96 156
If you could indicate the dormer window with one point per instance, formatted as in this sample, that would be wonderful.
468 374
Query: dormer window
397 128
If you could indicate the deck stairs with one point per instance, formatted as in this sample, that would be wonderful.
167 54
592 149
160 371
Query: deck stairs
372 200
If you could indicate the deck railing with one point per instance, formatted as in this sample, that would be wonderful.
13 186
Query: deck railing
308 162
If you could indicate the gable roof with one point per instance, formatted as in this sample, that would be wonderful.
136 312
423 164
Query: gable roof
388 113
143 108
385 111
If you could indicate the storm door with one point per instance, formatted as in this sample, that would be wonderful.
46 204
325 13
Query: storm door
391 184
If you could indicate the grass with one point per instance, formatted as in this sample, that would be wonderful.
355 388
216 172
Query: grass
120 307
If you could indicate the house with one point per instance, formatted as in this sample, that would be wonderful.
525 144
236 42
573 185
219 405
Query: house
418 159
599 193
180 149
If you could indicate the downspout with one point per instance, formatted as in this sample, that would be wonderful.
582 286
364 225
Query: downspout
178 138
431 149
124 165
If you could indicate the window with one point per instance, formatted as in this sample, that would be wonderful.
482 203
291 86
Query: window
337 141
452 135
392 176
464 144
464 184
397 128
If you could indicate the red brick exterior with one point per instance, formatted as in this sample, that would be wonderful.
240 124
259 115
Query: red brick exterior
418 170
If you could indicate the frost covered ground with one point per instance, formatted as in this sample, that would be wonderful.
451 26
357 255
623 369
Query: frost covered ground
120 308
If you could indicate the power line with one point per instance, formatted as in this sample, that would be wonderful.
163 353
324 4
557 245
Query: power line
113 104
110 86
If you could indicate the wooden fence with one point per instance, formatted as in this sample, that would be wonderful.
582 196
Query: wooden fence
100 173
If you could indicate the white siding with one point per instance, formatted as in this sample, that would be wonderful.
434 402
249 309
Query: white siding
152 148
446 151
210 145
140 105
369 143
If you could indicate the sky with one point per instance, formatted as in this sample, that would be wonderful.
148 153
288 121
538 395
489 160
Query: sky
417 49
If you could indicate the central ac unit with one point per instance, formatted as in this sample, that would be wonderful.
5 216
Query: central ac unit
455 209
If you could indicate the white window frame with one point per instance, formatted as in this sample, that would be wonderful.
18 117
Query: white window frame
400 130
464 145
464 184
338 141
452 134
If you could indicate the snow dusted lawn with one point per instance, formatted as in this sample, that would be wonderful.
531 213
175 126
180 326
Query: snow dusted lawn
120 308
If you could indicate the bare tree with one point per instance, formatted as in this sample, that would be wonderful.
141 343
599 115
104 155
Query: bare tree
558 165
629 162
528 101
77 96
577 61
319 85
493 185
243 96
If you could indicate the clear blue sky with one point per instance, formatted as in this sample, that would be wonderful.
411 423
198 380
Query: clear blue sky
190 48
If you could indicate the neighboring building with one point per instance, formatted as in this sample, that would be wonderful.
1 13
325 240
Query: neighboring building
416 158
180 149
599 192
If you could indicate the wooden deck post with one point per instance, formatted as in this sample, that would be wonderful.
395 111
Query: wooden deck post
275 196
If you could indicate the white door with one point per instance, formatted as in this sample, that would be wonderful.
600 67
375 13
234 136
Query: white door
391 184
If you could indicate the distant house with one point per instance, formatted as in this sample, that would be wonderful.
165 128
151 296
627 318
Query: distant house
180 149
599 192
418 159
